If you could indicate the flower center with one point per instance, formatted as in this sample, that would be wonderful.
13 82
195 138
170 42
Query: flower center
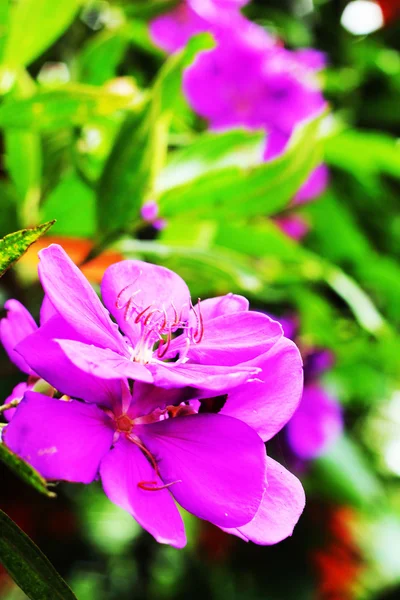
124 424
158 324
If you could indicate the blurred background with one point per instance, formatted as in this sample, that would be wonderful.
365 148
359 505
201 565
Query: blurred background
105 128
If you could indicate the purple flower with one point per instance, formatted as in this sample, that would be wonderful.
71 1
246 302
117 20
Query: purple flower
149 213
214 346
267 405
182 440
316 424
15 327
240 83
156 445
172 30
318 420
148 452
294 226
315 185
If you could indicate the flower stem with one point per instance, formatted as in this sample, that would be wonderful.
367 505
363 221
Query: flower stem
11 404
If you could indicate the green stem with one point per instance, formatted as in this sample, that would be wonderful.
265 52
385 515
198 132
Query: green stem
9 405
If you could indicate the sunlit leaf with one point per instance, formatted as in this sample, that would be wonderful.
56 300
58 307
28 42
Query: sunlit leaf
235 193
13 245
71 104
212 152
34 26
99 59
28 566
364 153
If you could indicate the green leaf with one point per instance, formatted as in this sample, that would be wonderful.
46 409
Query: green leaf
72 204
212 152
127 174
25 169
24 471
69 105
8 201
234 193
343 473
204 269
364 153
139 152
14 245
34 26
100 57
4 26
28 566
333 220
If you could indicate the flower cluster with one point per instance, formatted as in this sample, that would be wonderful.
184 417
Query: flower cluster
161 399
318 420
249 79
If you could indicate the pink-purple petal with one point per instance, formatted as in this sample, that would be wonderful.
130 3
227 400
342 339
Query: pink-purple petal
16 326
16 394
148 398
235 338
267 405
62 440
49 361
223 305
102 362
47 311
75 300
280 508
207 377
218 462
131 286
122 469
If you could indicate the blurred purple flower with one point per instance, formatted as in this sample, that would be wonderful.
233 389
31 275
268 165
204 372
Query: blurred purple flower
294 226
239 83
314 186
316 362
316 424
172 31
318 420
149 213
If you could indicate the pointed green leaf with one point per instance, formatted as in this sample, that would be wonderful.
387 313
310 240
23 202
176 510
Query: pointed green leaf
14 245
28 566
24 471
235 193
